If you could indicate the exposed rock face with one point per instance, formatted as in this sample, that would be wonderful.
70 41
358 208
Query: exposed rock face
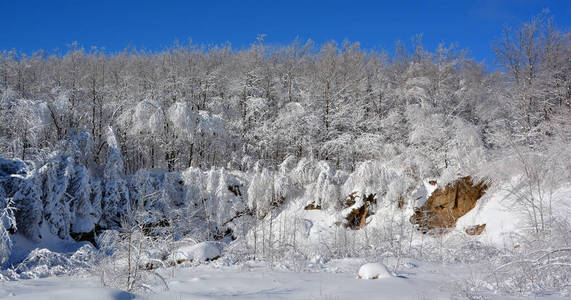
356 218
313 207
445 206
358 210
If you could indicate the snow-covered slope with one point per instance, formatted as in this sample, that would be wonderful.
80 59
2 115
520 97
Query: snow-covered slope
506 217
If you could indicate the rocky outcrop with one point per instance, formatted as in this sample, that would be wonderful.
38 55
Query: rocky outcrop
475 230
312 206
358 210
356 218
446 205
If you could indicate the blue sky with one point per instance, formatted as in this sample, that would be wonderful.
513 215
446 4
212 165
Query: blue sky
31 25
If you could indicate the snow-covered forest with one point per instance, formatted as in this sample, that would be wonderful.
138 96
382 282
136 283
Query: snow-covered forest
129 167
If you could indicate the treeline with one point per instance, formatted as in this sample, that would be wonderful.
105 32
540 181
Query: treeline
191 105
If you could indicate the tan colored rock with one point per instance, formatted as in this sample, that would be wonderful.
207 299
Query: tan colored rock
476 229
312 207
350 201
358 216
445 206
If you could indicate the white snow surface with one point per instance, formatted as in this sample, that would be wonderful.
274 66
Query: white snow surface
254 280
374 271
504 218
200 252
500 218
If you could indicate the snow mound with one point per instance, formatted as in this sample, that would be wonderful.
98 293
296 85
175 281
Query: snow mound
374 271
200 252
42 263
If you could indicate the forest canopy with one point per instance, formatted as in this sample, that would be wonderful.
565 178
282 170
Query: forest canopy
192 105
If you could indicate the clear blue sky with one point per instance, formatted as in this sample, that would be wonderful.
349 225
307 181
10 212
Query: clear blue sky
31 25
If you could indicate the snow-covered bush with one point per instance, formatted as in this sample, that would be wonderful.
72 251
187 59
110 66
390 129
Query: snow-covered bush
324 191
129 261
18 181
262 193
214 200
7 224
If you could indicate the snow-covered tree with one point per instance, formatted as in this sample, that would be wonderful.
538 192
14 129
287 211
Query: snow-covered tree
115 200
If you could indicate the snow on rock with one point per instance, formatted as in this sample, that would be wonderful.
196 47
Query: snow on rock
422 193
447 204
374 271
200 252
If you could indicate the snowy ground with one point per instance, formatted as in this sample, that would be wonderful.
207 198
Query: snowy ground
335 280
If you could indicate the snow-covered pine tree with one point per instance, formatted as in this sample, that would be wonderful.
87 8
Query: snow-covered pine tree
115 201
